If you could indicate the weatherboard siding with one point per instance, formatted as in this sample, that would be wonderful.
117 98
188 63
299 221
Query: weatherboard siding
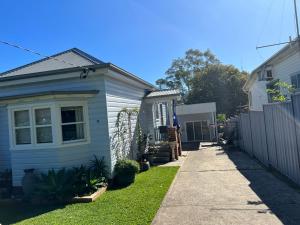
5 162
282 70
120 95
45 159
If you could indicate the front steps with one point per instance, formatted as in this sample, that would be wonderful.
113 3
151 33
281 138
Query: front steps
163 154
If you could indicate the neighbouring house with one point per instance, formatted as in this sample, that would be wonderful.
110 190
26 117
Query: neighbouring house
60 111
198 122
282 66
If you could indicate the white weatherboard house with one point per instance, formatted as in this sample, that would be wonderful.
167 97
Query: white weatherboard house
283 66
60 111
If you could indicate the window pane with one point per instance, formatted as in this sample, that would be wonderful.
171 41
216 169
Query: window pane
72 114
44 135
298 81
205 130
23 136
43 116
294 81
72 132
190 131
21 118
198 131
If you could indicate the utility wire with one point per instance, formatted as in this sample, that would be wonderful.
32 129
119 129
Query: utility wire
84 73
37 53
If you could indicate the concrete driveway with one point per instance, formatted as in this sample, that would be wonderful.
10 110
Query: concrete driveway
215 187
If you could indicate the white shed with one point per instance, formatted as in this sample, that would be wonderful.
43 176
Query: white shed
198 122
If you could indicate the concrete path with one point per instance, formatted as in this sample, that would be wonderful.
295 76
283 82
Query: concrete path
214 187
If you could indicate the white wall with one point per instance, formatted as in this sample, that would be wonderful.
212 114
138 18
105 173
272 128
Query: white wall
259 95
120 95
282 69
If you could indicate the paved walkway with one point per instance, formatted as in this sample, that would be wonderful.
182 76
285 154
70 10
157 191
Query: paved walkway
213 187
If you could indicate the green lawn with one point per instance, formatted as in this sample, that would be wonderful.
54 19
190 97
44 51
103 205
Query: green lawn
136 204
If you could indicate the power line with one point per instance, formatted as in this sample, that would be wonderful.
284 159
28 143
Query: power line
82 75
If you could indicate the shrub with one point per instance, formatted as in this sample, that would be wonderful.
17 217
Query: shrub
5 183
125 171
55 185
61 185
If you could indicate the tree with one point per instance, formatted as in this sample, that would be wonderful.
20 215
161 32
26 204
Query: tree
182 70
280 91
203 78
221 84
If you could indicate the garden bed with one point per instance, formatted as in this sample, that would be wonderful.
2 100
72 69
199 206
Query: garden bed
90 198
135 204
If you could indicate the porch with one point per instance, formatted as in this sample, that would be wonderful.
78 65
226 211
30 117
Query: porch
163 126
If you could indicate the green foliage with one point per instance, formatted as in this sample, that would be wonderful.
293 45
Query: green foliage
99 169
125 171
6 178
55 185
63 184
280 91
182 70
6 182
136 204
202 78
221 118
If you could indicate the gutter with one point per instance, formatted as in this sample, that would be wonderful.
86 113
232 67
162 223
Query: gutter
77 69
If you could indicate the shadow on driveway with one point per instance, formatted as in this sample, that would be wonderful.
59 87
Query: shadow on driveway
277 192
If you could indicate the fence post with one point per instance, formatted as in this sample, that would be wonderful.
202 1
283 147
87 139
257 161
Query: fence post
295 126
268 154
251 134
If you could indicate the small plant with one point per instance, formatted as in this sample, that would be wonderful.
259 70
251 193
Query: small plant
55 185
81 181
125 171
5 183
99 170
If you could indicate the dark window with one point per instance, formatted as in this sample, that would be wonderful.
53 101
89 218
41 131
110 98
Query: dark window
269 74
295 80
72 123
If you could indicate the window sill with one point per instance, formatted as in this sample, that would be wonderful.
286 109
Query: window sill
50 146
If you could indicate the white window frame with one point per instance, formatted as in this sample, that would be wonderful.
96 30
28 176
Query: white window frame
57 139
85 122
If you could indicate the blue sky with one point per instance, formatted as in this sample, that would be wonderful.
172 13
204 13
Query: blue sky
144 36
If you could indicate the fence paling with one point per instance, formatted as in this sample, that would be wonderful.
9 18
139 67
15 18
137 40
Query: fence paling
272 136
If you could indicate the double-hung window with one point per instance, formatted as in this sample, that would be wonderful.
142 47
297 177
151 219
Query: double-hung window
56 124
22 127
72 123
43 125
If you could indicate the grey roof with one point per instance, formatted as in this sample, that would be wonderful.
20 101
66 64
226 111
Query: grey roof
96 64
163 93
78 69
45 93
77 51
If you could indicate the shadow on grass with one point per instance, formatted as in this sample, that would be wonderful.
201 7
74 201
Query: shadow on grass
279 194
13 212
